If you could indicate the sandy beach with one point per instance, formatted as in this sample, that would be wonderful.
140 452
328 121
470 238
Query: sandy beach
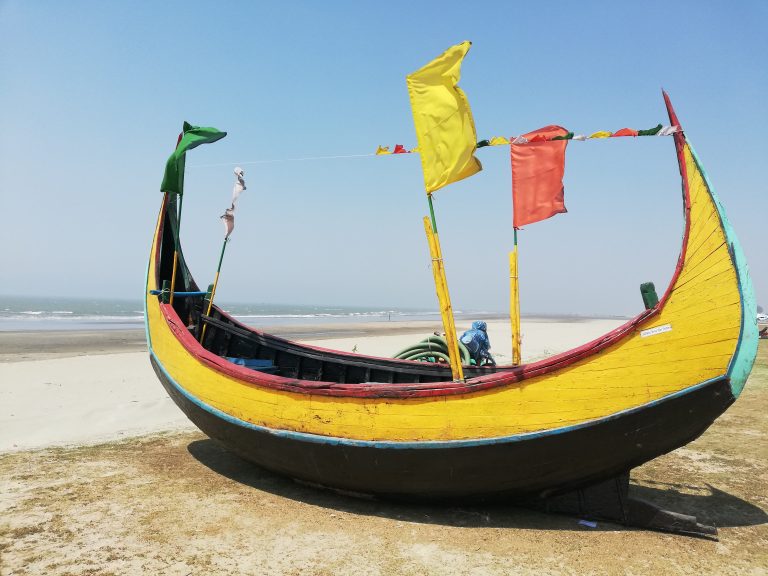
63 388
100 473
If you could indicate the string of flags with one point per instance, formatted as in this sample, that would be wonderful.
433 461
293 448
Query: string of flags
399 149
658 130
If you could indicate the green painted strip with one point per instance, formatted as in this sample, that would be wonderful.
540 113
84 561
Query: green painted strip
146 296
432 214
746 350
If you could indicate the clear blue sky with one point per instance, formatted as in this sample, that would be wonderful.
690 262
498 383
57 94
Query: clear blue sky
93 95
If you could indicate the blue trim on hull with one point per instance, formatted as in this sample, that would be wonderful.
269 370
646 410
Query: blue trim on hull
317 439
146 295
746 349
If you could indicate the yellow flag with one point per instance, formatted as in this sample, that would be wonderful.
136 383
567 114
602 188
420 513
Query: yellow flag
444 127
382 150
601 134
498 141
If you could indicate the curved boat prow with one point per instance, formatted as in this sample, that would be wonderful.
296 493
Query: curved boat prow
691 171
402 428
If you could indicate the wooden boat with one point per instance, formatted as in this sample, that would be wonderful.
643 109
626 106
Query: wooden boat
404 429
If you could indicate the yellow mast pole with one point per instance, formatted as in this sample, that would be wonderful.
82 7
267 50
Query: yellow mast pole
441 287
514 304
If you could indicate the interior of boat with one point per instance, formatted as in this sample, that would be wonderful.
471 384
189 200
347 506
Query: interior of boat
228 338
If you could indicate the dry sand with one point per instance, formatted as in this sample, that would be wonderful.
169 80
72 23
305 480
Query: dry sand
178 503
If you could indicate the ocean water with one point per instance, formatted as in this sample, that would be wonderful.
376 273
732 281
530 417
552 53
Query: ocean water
26 313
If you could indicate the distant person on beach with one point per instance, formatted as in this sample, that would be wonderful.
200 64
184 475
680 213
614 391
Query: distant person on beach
477 342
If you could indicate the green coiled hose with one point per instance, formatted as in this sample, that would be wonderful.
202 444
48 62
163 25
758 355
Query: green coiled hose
432 349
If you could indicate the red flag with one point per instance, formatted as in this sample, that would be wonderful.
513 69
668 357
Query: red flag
538 136
400 149
537 176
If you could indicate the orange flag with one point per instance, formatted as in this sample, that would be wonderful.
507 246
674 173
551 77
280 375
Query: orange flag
537 176
624 132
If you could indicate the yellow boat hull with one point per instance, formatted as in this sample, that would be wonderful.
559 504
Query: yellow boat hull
646 388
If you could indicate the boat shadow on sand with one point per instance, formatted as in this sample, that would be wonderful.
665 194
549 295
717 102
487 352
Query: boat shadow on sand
709 504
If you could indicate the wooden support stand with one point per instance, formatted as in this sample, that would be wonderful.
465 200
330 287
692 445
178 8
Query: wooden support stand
610 501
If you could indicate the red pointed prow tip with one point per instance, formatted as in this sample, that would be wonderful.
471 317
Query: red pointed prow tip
670 110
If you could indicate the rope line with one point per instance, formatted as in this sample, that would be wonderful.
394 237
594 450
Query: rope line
276 160
493 142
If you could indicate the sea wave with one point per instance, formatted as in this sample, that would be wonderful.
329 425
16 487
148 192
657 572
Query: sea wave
34 316
330 315
37 313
